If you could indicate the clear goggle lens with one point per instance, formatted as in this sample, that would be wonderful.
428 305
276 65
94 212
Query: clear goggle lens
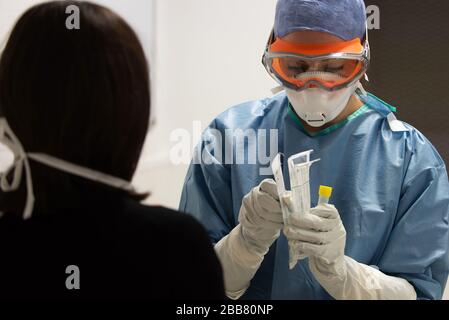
299 72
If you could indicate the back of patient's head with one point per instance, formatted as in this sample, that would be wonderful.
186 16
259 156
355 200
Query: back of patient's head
81 95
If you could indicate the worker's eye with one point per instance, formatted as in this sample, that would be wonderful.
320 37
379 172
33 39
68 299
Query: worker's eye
297 67
334 69
334 65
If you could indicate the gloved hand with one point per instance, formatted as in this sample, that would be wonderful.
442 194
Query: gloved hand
294 254
260 217
242 251
322 236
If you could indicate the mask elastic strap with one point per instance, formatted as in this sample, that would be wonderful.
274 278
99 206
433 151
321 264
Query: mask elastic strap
8 138
7 186
366 36
29 205
368 46
361 89
277 89
21 160
83 172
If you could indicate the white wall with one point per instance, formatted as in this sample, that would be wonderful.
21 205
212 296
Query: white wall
204 57
207 58
137 12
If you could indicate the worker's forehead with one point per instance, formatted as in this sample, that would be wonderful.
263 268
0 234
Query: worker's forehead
312 37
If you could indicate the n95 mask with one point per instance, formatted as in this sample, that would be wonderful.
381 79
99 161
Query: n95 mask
317 106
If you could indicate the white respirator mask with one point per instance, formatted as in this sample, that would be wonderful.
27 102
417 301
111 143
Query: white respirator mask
317 106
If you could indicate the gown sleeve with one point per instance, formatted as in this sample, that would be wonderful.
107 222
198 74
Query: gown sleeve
207 192
417 249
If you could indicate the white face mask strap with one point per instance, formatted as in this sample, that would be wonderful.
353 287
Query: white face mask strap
21 160
7 186
8 138
368 46
29 205
361 89
82 171
366 36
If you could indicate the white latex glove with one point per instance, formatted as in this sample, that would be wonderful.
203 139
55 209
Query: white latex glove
322 236
242 251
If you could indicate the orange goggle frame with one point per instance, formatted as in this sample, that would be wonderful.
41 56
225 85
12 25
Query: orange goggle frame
351 50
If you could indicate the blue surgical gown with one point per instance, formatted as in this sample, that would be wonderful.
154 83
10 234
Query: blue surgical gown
390 187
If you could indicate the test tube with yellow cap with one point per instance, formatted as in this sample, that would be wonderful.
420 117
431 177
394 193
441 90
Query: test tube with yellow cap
324 194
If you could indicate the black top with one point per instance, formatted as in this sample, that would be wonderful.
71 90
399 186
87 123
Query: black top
122 249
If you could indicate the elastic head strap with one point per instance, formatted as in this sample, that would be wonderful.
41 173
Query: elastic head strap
21 159
8 138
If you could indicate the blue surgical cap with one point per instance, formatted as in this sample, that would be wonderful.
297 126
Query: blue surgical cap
345 19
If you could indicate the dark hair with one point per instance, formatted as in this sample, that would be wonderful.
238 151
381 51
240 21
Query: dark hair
79 95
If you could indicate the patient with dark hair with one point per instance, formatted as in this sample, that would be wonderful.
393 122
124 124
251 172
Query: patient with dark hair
75 109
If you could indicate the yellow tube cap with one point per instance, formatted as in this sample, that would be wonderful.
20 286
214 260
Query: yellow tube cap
325 191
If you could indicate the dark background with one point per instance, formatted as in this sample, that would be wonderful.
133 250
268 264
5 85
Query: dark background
410 64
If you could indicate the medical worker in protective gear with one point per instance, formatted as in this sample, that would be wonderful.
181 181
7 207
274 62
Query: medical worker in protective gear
386 233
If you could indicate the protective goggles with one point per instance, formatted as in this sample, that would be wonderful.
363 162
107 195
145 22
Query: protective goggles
329 66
